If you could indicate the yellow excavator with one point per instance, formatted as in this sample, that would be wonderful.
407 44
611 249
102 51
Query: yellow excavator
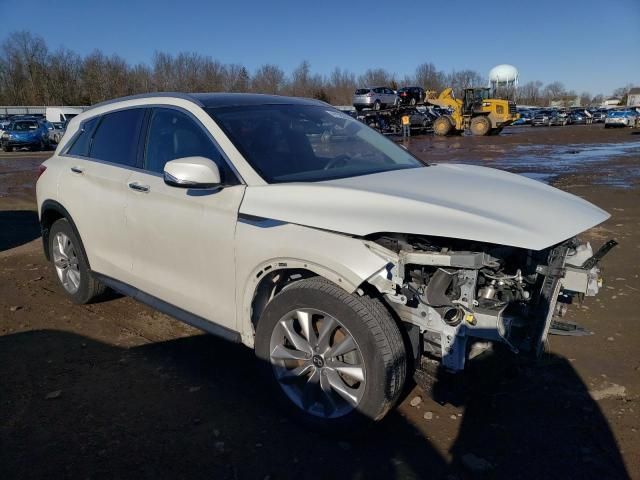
477 112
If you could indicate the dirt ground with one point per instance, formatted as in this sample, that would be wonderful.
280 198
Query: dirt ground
116 390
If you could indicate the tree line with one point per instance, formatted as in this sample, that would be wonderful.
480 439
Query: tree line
32 74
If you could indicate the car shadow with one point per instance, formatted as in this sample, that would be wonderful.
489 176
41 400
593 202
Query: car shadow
18 227
196 407
534 422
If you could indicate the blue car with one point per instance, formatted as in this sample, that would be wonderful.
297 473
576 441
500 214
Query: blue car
29 133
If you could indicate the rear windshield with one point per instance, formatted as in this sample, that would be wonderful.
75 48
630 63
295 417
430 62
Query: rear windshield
307 143
362 91
24 126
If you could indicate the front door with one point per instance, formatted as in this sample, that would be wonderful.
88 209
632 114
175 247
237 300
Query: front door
183 239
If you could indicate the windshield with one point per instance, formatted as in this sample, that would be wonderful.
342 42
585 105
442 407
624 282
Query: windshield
304 143
618 114
24 126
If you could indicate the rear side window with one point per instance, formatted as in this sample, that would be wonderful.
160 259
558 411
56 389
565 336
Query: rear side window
174 134
116 139
362 91
81 146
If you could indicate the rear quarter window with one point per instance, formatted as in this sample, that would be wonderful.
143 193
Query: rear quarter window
82 142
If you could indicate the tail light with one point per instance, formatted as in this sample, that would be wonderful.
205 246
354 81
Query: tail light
370 94
41 168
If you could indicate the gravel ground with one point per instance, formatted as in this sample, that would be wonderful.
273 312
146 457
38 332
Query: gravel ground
116 390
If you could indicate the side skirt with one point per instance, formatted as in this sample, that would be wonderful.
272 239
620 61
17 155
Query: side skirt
167 308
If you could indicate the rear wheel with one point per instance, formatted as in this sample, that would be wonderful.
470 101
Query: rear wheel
480 126
376 105
338 358
70 263
7 148
442 126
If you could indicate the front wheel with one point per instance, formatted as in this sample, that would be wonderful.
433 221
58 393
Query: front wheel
442 126
337 358
480 126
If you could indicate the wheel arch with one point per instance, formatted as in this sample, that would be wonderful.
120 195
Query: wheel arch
50 212
274 276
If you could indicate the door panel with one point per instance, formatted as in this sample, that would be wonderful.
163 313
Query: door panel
94 195
183 239
183 245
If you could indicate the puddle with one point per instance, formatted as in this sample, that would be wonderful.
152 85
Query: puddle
544 162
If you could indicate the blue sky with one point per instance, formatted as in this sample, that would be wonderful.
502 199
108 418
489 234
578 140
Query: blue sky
591 45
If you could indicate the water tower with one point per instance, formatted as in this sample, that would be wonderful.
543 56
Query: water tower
503 80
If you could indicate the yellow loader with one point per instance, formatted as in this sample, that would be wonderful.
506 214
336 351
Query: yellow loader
477 112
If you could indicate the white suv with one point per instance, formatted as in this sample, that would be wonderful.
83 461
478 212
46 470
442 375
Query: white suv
286 225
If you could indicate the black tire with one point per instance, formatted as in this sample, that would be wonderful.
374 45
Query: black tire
89 288
377 105
371 326
480 126
442 126
7 148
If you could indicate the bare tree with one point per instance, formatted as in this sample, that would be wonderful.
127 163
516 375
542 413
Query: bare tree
459 80
30 74
341 86
553 91
429 77
24 68
376 77
585 99
237 78
530 93
268 79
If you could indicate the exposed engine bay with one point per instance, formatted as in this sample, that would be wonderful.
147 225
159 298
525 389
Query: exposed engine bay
464 295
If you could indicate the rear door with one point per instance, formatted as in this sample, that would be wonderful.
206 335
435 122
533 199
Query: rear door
183 239
92 187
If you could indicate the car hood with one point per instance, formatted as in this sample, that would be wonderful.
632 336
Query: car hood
449 200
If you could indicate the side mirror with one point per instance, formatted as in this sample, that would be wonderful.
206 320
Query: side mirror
192 172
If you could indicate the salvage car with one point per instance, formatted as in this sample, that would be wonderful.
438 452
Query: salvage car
542 118
621 118
56 132
32 133
411 95
375 98
341 258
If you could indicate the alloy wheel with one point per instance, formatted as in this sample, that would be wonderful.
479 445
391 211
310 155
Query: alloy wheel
65 261
318 363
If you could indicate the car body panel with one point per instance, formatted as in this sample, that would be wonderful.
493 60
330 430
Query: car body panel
457 201
267 246
108 253
195 272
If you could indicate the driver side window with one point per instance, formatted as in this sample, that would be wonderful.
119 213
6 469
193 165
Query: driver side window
173 134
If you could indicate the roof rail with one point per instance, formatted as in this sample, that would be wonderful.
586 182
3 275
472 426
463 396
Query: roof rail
181 95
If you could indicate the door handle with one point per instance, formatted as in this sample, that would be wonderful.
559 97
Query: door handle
77 170
139 188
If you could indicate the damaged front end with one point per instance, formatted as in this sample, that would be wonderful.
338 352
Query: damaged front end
458 297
